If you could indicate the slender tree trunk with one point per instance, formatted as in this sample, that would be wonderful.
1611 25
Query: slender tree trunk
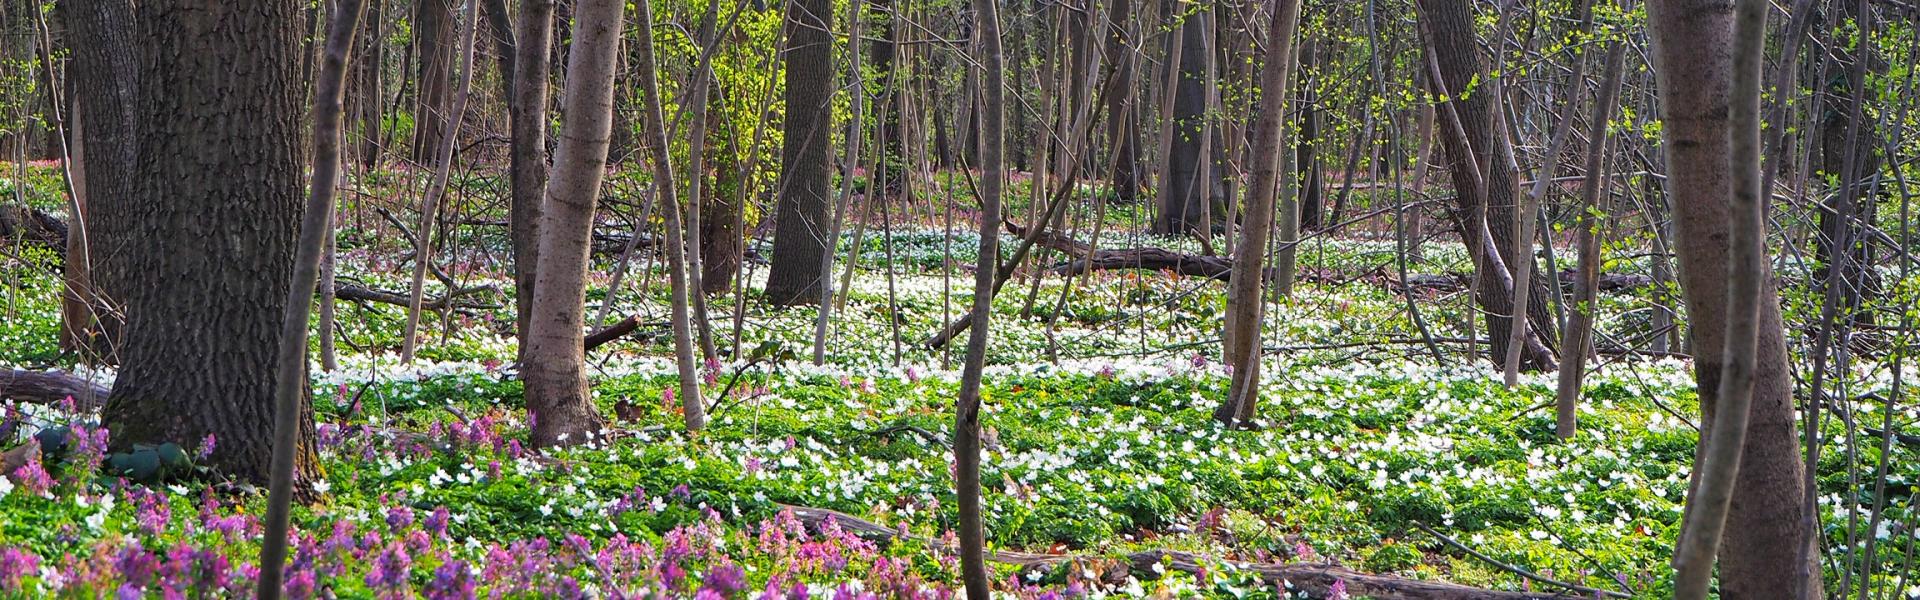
1751 482
218 192
1579 339
559 399
805 206
656 142
437 188
316 226
966 437
1244 298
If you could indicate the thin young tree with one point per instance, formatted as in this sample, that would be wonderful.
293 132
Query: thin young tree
993 181
1245 303
676 234
1708 74
316 226
559 399
1578 342
437 187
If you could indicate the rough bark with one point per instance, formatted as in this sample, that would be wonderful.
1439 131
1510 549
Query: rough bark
1456 49
1123 131
558 396
104 77
433 34
1192 192
1765 532
219 159
804 210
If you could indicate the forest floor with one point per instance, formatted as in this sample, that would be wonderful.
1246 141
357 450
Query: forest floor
1373 455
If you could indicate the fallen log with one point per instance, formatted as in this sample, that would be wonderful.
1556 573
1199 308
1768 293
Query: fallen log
1316 579
51 388
32 225
359 293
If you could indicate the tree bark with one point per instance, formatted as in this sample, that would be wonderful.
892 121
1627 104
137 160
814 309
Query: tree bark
1192 192
1245 302
105 79
993 175
527 157
316 226
559 399
433 34
656 142
1456 50
219 159
804 210
1765 536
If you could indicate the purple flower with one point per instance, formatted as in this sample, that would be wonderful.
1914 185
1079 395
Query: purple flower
14 565
437 522
1338 591
136 566
724 579
399 517
206 446
452 581
390 569
300 584
32 477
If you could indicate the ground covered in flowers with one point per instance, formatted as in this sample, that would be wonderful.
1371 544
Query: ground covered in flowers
1099 445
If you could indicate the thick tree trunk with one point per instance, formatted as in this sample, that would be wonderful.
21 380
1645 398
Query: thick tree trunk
1123 131
218 196
1456 50
559 399
1765 528
527 113
804 211
1192 193
433 32
721 213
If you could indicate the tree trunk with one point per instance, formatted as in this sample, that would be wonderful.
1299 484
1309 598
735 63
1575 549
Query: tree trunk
722 244
316 226
1456 50
1192 192
1245 302
219 197
993 176
105 83
1765 528
527 111
559 400
1579 341
433 32
673 208
805 209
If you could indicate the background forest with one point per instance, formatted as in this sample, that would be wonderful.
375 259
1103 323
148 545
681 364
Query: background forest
851 299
